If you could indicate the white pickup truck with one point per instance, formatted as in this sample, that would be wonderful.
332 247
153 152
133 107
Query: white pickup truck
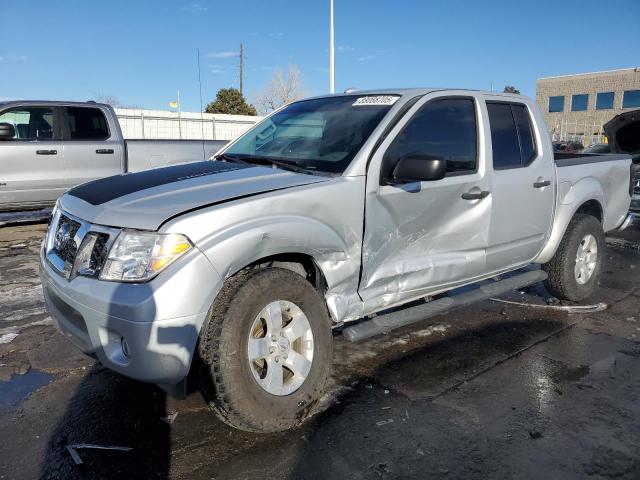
362 212
48 147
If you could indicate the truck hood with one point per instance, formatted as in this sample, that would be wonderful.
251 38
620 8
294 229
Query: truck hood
145 200
623 132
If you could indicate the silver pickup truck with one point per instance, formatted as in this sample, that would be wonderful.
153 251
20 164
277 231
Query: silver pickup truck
358 213
48 147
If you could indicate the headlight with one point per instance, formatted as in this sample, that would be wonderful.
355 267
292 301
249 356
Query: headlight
140 256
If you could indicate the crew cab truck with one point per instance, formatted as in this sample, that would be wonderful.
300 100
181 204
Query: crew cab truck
358 211
48 147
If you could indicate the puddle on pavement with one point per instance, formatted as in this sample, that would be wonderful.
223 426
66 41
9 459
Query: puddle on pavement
20 386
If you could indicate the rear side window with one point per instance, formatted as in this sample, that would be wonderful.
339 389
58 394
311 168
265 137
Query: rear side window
512 136
86 123
525 130
445 128
32 123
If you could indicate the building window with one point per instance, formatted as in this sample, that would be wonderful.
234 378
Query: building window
579 103
604 100
556 104
631 99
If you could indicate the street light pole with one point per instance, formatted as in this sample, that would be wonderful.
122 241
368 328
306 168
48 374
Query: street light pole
331 50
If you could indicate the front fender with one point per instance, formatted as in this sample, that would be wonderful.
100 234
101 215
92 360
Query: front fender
236 246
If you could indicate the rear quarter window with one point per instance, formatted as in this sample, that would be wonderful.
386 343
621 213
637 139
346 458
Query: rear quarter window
512 135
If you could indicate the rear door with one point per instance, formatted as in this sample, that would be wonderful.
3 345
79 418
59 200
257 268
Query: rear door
31 164
421 237
92 150
523 185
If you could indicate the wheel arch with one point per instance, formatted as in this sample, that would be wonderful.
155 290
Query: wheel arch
562 219
304 245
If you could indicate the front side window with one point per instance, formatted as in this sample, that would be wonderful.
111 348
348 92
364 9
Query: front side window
32 123
631 99
86 123
322 134
556 104
445 128
579 103
604 100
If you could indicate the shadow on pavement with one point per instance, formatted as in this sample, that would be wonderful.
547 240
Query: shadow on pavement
109 409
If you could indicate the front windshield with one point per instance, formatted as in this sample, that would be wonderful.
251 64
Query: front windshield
322 134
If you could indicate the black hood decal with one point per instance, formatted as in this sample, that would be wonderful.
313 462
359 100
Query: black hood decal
104 190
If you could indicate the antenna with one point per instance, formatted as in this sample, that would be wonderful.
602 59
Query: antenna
241 66
201 109
331 51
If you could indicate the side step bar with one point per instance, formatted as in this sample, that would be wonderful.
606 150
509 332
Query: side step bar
390 321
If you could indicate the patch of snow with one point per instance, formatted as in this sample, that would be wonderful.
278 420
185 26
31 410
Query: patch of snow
431 330
8 337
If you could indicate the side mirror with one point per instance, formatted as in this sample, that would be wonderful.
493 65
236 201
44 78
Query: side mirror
419 167
7 131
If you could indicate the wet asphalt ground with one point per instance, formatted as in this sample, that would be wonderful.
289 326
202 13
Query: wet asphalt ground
492 391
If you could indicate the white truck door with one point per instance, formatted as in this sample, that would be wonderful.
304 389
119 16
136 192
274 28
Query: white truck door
31 164
92 150
422 237
523 185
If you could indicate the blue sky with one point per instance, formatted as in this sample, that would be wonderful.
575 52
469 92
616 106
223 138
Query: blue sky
143 52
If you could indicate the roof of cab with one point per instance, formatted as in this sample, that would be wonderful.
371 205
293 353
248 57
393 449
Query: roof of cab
57 103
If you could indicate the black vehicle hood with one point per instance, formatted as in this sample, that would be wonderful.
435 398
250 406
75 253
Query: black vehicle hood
623 132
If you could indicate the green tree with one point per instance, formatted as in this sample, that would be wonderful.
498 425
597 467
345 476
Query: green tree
511 89
231 102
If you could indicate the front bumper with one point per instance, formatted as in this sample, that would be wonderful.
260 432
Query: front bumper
145 331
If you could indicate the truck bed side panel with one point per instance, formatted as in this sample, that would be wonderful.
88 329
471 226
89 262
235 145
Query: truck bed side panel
145 154
603 178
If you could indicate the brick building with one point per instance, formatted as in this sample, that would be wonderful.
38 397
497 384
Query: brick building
576 106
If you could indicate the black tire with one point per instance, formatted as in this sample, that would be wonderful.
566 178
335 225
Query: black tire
562 281
227 382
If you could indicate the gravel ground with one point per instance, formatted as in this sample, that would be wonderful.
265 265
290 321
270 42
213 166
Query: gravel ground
491 391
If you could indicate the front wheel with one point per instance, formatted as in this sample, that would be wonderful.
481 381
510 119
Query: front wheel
574 269
266 350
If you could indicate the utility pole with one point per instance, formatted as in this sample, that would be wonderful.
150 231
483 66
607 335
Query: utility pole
241 66
331 55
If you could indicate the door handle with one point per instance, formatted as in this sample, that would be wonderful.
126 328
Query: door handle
46 152
475 195
105 151
543 184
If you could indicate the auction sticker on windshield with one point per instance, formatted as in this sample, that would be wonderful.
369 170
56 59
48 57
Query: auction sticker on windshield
376 100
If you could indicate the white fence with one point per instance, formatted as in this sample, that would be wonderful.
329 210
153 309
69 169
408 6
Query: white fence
587 133
161 124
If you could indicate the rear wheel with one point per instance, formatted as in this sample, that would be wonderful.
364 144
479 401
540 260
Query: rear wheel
574 269
266 350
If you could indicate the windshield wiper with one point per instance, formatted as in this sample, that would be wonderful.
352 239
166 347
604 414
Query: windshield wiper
231 158
253 159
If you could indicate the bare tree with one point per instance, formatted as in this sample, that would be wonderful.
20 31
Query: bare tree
281 90
108 99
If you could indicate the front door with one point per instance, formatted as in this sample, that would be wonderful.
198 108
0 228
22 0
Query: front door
523 187
423 237
92 151
31 164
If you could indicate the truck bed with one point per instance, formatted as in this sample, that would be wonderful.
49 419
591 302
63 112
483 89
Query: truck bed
565 159
145 154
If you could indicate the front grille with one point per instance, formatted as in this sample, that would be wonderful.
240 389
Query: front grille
99 252
64 239
68 242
